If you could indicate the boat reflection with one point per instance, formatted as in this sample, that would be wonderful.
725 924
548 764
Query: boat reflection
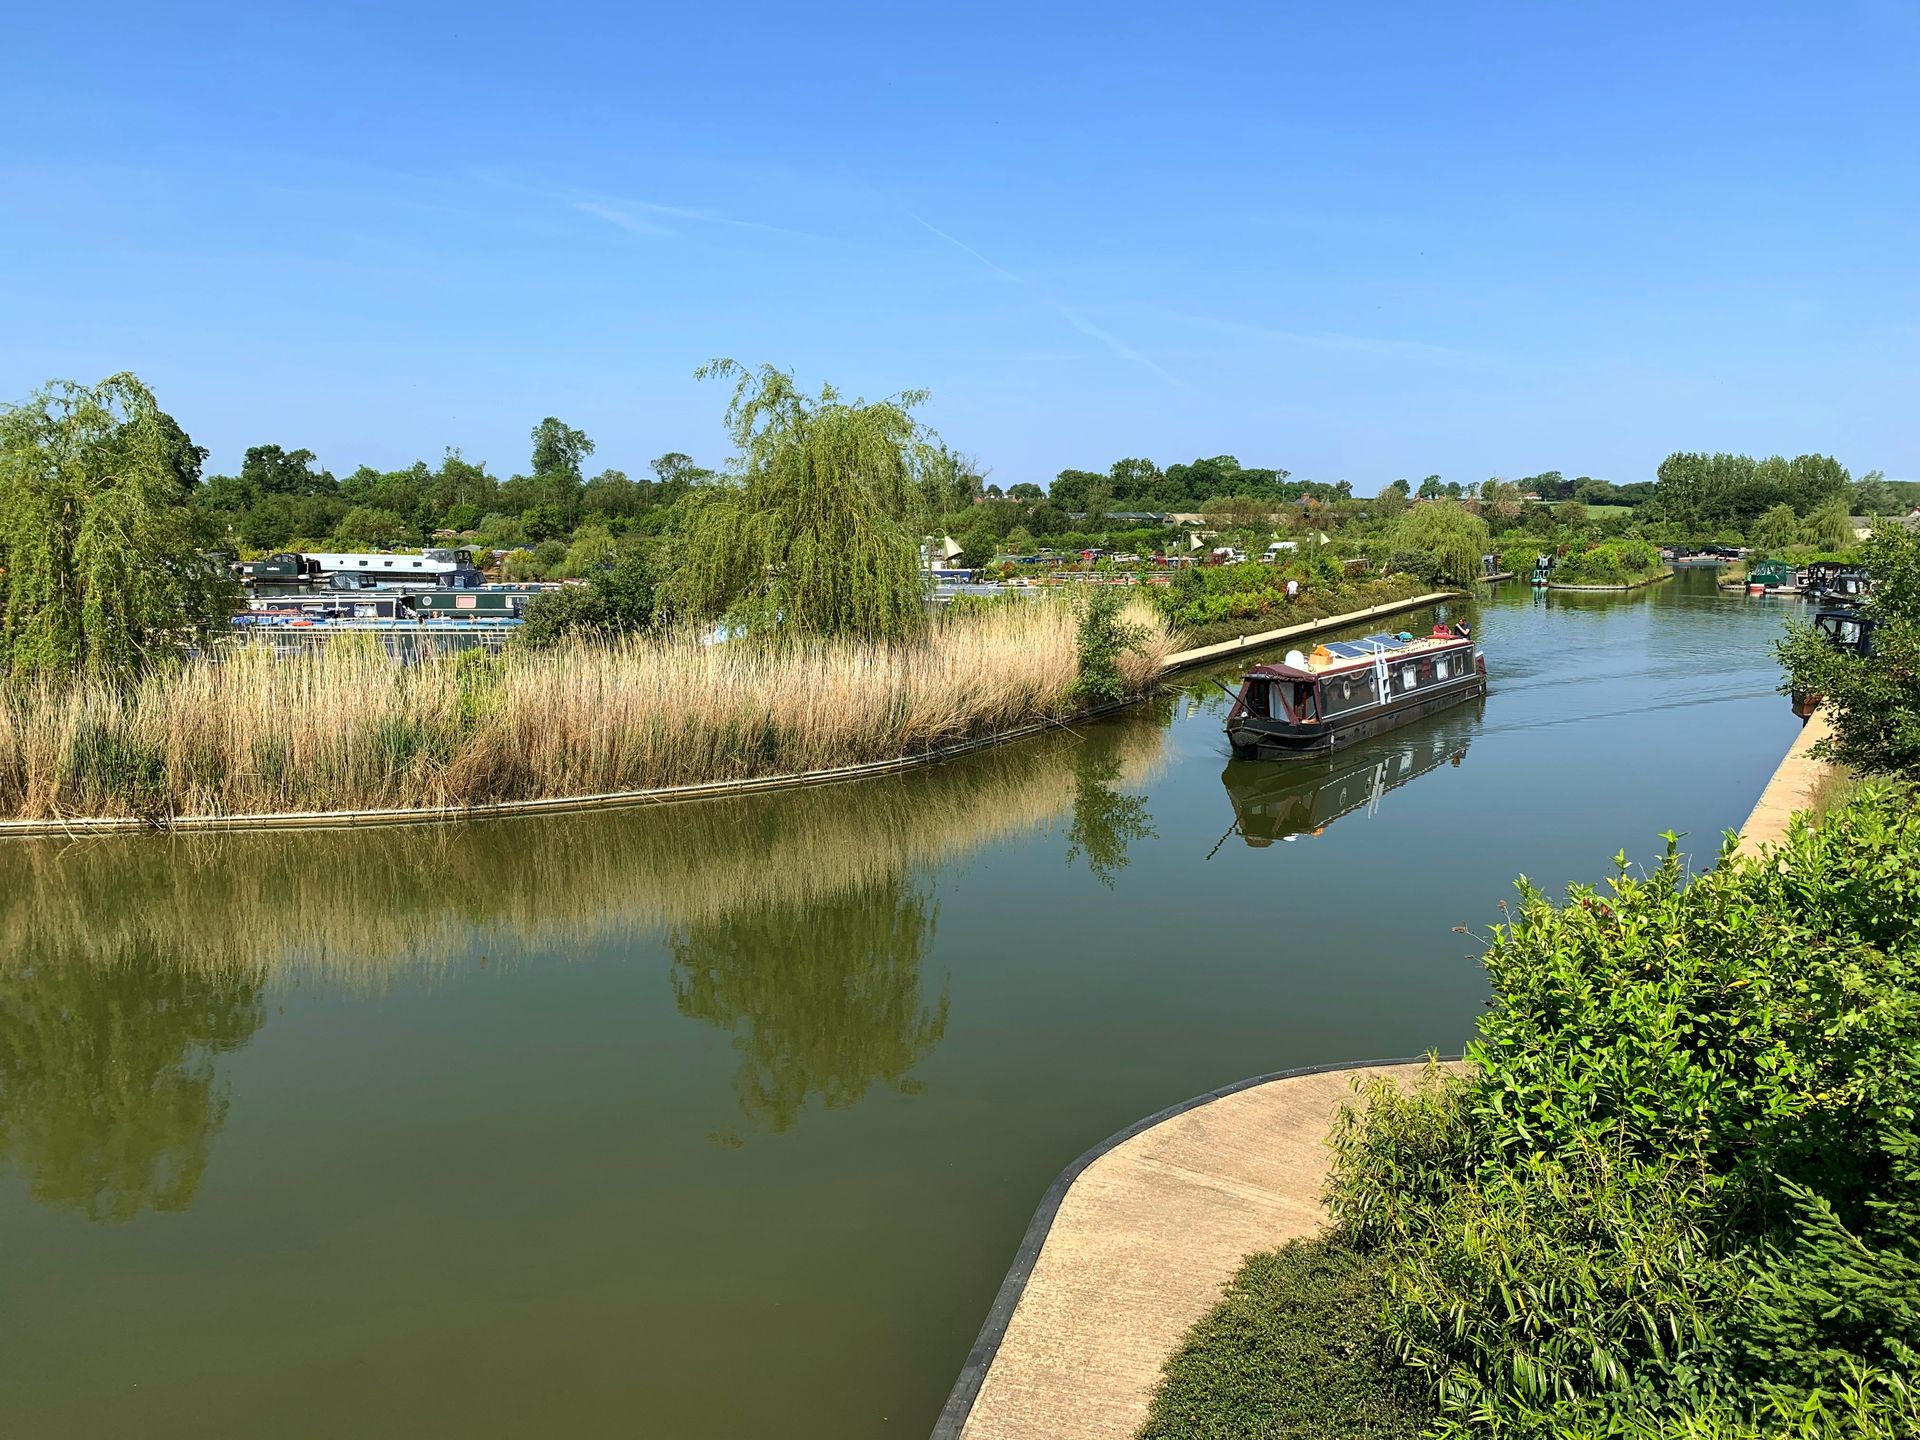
1273 801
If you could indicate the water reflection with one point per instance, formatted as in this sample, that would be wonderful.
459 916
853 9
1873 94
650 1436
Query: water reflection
1106 820
827 1007
1281 800
793 920
109 1098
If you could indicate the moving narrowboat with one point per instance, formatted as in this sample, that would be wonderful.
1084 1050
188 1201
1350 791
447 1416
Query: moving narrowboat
1347 690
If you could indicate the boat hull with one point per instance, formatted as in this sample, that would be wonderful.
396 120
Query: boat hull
1255 737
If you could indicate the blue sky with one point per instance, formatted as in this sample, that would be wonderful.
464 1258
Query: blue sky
1357 241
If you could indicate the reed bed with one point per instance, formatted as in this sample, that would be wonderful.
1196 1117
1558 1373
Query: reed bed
358 908
346 728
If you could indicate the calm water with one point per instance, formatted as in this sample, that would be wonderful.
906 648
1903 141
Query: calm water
724 1120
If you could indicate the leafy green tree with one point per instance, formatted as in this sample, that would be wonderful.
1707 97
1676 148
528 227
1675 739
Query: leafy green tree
1830 527
1776 530
544 522
559 449
1873 496
100 554
1432 488
1026 491
366 527
1445 539
1873 701
269 470
818 527
610 495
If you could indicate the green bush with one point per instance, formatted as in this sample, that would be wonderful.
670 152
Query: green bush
1681 1186
1612 562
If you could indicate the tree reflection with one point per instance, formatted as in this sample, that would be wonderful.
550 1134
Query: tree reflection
822 1001
1105 820
108 1093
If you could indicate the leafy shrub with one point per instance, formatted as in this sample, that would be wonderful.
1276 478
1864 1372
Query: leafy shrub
1682 1184
1873 701
1103 638
1612 562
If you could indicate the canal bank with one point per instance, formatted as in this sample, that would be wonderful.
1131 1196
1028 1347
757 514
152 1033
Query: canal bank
1136 1240
664 795
732 1115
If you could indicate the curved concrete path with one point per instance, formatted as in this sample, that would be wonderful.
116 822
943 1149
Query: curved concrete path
1796 783
1133 1244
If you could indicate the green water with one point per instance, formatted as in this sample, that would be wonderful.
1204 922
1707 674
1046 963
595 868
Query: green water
724 1120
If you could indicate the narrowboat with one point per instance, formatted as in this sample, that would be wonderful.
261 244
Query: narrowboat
1347 690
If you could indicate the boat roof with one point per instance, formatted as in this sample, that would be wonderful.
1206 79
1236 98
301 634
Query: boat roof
1335 654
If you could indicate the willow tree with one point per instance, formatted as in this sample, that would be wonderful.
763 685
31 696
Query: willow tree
817 526
1443 539
100 563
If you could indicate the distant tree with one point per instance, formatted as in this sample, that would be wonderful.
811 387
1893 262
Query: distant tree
994 492
1775 531
1046 520
1446 540
1873 496
1026 491
1403 488
367 527
459 481
1018 541
1830 527
1500 502
269 470
1099 502
1432 488
611 495
100 555
544 522
1571 513
559 449
820 530
618 599
1070 488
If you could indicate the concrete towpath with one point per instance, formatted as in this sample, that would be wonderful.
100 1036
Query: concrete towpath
1794 786
1134 1244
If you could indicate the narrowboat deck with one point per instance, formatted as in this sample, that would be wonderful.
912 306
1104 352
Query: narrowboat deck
1349 690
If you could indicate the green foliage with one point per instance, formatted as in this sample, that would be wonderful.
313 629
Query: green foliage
100 554
1705 493
1103 638
1292 1351
1612 562
1873 701
818 529
1439 541
1679 1188
1830 527
618 600
1776 531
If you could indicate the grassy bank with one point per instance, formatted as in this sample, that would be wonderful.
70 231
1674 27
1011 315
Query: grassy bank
1261 608
347 729
1676 1196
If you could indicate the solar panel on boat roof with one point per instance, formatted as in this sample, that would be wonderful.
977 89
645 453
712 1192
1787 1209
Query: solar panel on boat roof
1349 649
1392 642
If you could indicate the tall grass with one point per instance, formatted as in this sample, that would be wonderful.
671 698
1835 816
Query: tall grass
346 728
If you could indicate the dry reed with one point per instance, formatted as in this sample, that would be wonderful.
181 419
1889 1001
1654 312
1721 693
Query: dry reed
346 728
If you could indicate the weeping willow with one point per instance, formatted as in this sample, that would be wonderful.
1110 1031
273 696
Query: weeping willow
817 527
100 570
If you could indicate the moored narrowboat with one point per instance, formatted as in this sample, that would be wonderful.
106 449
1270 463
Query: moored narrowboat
1347 690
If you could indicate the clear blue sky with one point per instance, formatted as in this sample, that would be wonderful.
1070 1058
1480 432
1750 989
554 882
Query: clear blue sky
1356 241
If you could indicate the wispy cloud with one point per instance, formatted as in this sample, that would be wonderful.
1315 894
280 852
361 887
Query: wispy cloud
614 215
1066 312
647 217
